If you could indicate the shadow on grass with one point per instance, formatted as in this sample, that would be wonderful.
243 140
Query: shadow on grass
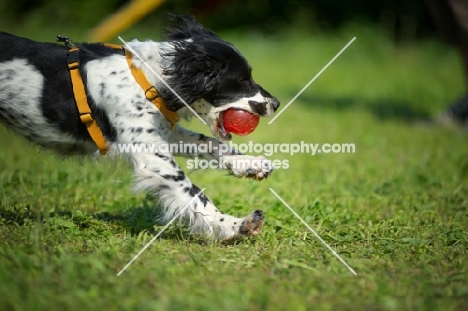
146 218
136 221
22 216
381 108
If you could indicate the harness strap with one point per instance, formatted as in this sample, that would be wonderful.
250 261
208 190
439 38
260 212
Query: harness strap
150 91
81 101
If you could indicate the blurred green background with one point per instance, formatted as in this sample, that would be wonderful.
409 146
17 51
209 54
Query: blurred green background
402 19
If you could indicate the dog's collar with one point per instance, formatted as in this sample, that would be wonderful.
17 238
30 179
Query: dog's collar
150 91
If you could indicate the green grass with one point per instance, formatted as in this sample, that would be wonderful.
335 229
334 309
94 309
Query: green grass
396 210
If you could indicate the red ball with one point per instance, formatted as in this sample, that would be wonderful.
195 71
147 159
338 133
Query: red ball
240 122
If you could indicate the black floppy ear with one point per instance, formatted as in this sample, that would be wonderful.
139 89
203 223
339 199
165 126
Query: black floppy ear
192 74
195 64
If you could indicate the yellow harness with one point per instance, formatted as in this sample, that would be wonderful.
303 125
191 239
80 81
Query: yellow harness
81 100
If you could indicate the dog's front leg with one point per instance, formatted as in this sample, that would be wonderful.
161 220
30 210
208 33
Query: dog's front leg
190 144
158 173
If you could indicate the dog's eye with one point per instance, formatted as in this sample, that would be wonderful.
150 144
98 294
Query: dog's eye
243 79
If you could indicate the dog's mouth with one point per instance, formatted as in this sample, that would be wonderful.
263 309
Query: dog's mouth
222 133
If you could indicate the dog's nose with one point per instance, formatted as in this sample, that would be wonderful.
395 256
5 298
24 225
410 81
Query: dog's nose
258 215
275 103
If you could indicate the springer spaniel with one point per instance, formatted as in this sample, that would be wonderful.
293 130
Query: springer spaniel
209 74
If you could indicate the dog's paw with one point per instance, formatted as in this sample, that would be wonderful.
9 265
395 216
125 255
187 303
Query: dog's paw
252 224
257 168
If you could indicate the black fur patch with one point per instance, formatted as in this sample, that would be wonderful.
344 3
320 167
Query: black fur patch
257 107
194 191
179 177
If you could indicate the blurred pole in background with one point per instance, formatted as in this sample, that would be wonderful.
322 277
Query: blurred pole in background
123 18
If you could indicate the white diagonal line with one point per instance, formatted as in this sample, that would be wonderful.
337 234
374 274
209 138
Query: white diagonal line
127 46
313 79
313 231
160 232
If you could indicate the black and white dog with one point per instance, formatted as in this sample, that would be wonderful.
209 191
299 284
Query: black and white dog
36 101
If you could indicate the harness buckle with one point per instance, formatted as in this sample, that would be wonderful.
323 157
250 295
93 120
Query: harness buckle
73 66
151 93
73 59
86 117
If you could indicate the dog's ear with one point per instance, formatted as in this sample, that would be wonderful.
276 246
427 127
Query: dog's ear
196 60
193 73
184 27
